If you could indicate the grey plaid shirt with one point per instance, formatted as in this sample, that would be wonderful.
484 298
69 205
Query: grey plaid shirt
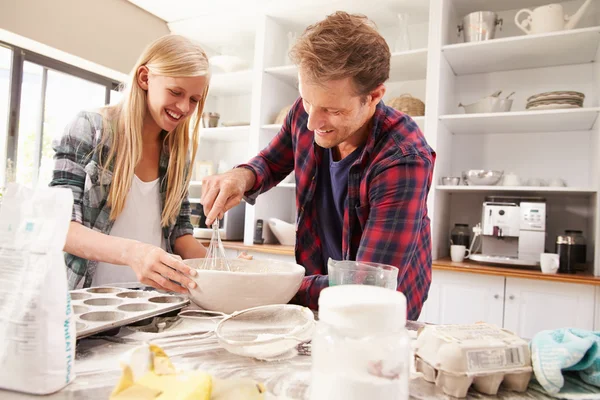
76 166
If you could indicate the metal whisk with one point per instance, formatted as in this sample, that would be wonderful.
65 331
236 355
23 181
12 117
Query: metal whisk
215 256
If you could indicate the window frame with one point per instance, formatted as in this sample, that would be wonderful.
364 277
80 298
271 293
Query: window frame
19 57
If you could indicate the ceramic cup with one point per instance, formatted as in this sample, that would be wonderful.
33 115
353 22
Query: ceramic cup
536 182
557 182
549 263
459 253
511 180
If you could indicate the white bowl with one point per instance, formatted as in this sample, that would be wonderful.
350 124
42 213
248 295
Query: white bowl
250 283
283 231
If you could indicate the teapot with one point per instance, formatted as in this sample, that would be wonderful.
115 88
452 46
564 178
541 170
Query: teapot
549 18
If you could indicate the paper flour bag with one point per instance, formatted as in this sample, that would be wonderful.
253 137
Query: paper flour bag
37 330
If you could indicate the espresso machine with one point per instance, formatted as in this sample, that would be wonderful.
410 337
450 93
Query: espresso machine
512 231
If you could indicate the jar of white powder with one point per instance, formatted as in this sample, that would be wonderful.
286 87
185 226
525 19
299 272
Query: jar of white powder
360 349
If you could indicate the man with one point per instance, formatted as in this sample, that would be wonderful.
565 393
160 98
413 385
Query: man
363 169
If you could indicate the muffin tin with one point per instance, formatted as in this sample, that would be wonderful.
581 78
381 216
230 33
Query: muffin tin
101 309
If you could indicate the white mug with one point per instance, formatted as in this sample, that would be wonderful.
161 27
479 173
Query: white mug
459 253
557 182
536 182
549 263
549 18
511 179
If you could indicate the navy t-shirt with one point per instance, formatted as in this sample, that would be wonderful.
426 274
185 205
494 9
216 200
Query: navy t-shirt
331 200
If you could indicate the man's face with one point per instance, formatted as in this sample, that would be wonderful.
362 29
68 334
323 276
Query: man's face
335 111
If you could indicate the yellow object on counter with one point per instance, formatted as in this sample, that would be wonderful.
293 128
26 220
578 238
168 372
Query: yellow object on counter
148 374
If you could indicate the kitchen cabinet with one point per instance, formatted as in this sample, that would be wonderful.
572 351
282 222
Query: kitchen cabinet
597 315
523 306
532 306
461 298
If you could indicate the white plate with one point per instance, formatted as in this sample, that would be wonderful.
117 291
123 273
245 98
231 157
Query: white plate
555 95
553 106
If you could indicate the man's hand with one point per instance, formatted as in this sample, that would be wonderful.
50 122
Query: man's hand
225 191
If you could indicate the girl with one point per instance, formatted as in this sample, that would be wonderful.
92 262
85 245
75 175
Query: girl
129 168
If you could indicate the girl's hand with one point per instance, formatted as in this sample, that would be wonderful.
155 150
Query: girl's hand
155 267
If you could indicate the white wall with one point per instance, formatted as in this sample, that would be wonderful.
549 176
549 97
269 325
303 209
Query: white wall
111 33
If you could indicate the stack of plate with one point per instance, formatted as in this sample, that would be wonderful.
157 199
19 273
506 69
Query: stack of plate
555 100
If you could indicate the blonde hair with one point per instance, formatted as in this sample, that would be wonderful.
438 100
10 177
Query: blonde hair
171 56
344 46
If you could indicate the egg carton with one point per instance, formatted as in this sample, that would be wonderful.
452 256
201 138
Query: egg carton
103 309
454 357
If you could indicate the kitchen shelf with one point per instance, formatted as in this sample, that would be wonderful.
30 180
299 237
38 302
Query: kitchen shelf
276 127
530 189
408 65
575 46
287 185
271 127
420 121
231 83
285 73
575 119
225 134
194 200
405 66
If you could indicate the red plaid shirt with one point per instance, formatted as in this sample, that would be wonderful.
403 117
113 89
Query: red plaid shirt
386 218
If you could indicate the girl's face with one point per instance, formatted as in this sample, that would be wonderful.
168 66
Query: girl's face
170 101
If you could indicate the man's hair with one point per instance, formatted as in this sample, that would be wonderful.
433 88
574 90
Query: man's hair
344 46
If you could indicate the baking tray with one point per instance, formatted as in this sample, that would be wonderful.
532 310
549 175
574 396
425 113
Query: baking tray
102 309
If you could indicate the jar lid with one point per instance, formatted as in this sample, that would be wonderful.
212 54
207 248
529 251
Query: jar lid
363 307
562 239
461 225
567 231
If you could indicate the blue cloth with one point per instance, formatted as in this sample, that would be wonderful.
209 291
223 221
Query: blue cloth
332 199
561 350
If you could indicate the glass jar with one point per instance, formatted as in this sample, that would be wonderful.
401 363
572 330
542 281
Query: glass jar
402 42
360 349
579 245
460 235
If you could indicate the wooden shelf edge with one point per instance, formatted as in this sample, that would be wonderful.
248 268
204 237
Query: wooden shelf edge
445 264
260 248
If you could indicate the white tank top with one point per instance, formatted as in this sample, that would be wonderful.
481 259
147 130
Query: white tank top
140 220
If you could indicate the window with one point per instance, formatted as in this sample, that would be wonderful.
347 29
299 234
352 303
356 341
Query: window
5 72
44 97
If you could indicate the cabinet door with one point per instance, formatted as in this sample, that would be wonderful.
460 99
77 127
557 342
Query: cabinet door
464 298
597 318
532 306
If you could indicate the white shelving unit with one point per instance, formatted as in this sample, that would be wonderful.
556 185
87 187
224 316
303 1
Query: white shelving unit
443 72
577 119
231 83
286 73
226 134
545 144
524 52
409 65
516 189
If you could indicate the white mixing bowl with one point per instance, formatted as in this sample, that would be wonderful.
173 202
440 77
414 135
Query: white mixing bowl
250 283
